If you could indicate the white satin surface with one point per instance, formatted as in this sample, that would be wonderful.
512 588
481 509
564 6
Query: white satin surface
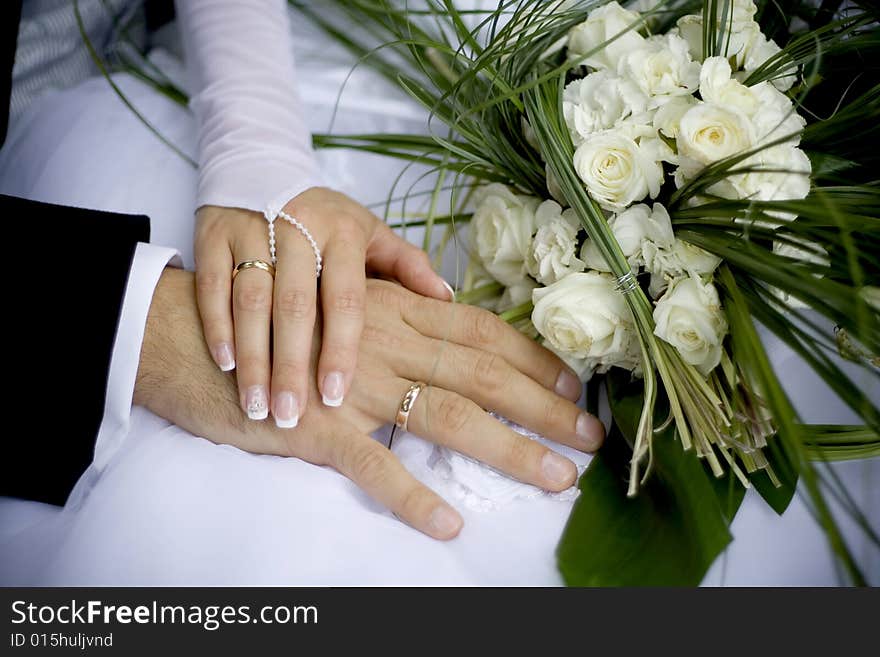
171 508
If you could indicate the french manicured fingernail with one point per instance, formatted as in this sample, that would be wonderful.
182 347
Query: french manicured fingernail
590 430
333 389
257 403
558 469
444 522
568 385
449 288
286 410
223 356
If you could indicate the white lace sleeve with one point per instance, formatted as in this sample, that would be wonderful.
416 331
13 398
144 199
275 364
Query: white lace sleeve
255 150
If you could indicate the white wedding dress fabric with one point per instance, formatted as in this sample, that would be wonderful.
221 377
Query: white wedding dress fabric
171 508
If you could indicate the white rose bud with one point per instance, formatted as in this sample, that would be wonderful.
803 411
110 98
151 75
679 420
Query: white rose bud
600 101
552 253
708 133
662 68
617 171
585 317
501 230
529 134
602 24
689 317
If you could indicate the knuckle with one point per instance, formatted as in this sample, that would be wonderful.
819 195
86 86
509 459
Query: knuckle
412 503
252 363
368 465
518 452
349 236
295 303
253 298
349 302
421 257
385 294
381 337
216 329
454 412
490 372
209 283
556 411
485 328
290 369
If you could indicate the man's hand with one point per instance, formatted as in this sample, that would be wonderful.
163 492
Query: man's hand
177 380
471 359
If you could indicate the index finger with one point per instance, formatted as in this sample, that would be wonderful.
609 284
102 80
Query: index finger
378 473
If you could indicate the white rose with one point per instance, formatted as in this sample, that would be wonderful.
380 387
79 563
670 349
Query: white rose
739 11
632 228
584 316
667 119
600 101
781 173
659 227
771 112
759 51
689 318
617 171
708 133
662 68
736 40
502 227
718 87
679 259
552 252
603 24
775 116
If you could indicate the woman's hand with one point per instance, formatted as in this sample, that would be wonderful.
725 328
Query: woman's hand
247 319
471 359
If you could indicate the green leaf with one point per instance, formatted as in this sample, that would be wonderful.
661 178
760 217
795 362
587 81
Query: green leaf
778 497
669 535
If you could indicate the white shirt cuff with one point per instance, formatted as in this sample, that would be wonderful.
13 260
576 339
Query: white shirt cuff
147 265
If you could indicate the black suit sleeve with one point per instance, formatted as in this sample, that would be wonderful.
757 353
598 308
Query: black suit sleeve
67 271
10 15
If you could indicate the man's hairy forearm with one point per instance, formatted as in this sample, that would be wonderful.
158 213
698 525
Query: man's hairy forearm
177 378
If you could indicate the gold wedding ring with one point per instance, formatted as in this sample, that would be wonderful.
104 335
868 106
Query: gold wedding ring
407 403
253 264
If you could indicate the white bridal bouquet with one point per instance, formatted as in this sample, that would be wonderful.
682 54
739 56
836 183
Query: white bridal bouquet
643 183
646 182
